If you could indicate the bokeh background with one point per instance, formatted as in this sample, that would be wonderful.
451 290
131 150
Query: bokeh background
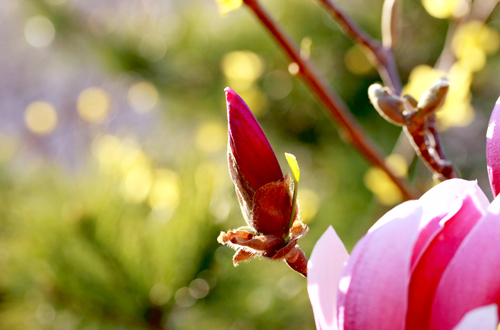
113 176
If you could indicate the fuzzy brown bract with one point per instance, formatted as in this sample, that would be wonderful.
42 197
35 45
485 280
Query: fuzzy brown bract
267 212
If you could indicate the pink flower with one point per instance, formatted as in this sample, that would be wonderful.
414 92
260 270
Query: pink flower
432 263
493 149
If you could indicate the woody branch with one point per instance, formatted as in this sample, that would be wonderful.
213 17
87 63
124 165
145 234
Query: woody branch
422 133
332 102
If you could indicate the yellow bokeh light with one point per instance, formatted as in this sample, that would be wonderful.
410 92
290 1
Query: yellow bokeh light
39 31
165 192
211 137
242 68
472 42
397 163
293 68
475 34
459 114
40 117
460 78
379 183
489 39
136 184
106 149
457 110
132 157
446 8
356 61
439 8
309 204
93 104
119 156
143 96
226 6
305 47
421 79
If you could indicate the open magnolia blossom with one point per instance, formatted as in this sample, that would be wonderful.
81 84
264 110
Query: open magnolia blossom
432 263
265 195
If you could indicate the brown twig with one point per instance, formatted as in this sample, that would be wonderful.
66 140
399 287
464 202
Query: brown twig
423 135
381 56
481 10
447 58
391 23
336 108
419 133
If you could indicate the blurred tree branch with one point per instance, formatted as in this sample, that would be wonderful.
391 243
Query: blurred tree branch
380 55
335 106
423 135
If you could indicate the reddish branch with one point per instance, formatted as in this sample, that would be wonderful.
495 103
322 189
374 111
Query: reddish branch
336 108
380 56
419 133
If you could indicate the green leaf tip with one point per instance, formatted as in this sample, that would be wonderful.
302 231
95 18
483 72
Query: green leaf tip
294 166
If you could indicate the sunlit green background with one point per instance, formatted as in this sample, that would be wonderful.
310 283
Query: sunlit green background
113 177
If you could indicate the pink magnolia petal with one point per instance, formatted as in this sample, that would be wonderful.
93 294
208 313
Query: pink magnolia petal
472 278
323 275
446 192
440 204
434 261
428 232
249 145
481 318
373 291
493 149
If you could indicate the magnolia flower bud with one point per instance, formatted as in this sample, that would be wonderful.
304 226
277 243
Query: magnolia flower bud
263 193
388 105
433 98
248 144
265 196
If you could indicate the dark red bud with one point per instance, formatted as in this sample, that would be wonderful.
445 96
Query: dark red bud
272 209
249 145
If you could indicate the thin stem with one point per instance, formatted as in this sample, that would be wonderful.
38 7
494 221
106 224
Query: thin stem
380 55
447 58
334 105
481 10
431 155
